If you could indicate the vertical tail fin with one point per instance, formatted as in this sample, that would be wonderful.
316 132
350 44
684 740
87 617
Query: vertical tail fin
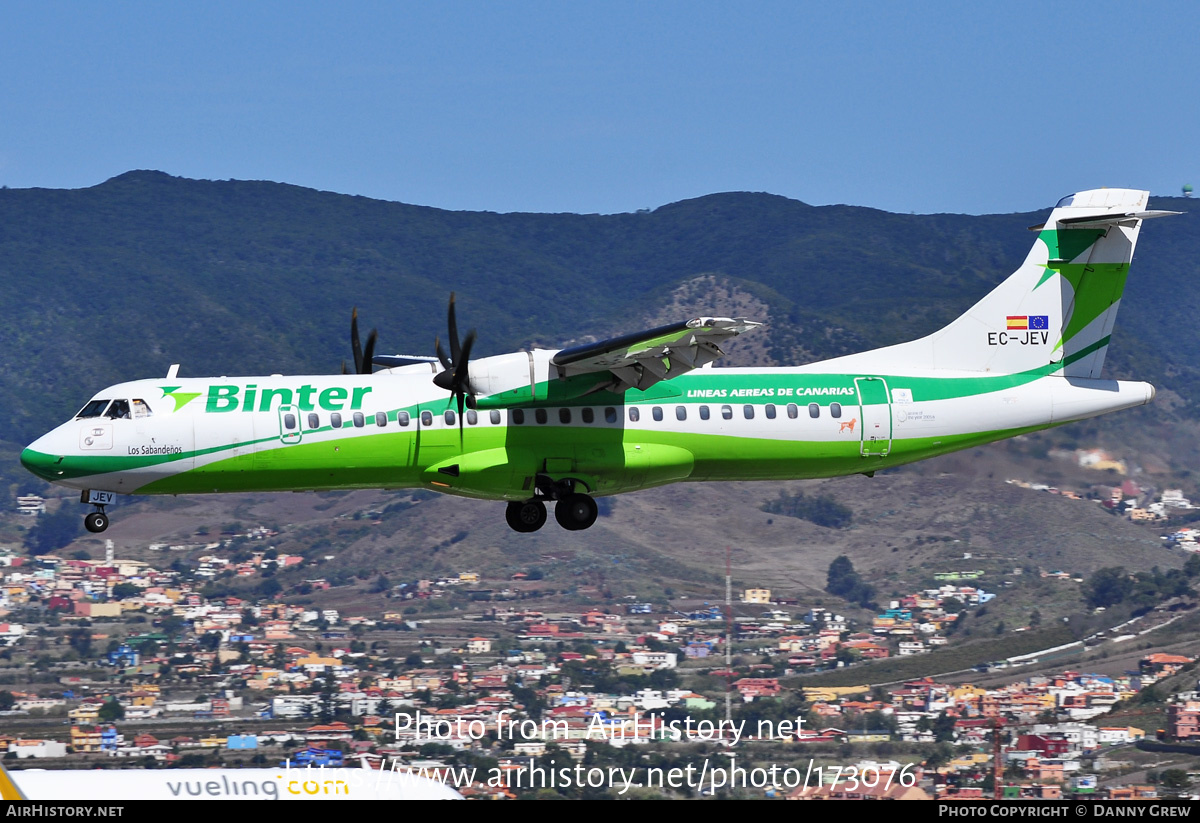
9 790
1089 240
1057 310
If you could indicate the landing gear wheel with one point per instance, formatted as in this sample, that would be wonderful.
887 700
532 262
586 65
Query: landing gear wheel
576 512
527 516
95 522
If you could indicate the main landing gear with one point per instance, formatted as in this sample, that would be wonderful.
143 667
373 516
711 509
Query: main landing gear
527 516
573 510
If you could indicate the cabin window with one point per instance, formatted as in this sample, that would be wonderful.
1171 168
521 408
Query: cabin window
540 416
770 410
426 418
448 416
814 411
402 418
119 410
588 415
610 414
748 411
314 420
140 409
634 414
656 413
704 412
472 417
494 416
381 419
289 422
359 420
335 420
564 416
94 408
835 409
727 412
793 410
681 412
518 416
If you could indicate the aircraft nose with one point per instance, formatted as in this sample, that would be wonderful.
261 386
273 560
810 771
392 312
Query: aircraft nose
40 463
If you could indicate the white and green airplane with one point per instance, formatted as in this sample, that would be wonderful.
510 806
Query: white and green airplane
637 411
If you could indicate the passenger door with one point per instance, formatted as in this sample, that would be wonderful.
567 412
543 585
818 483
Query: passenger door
875 416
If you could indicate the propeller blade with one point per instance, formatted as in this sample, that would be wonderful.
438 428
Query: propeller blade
368 353
343 367
451 321
355 346
461 373
441 354
455 374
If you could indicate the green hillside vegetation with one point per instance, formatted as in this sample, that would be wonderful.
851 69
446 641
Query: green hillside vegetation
820 509
844 582
117 281
1113 585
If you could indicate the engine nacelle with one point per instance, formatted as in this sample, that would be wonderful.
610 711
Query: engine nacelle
528 377
505 373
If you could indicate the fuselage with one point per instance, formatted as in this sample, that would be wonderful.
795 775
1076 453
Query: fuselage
399 430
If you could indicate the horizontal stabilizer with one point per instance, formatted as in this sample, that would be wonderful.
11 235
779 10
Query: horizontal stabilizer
1115 217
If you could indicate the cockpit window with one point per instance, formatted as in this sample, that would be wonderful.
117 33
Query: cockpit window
140 408
94 408
119 410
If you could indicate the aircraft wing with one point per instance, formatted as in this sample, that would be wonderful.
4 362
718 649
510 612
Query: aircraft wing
641 359
392 361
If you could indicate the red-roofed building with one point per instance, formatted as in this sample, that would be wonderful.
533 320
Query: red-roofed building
752 687
1183 719
1048 746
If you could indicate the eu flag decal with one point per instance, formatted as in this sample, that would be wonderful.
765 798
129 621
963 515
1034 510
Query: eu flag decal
1039 322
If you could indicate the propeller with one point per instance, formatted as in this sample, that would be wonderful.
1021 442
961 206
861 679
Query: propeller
455 376
362 354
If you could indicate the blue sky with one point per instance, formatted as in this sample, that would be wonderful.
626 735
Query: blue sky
609 107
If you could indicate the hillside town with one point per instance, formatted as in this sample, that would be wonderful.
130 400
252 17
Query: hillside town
132 664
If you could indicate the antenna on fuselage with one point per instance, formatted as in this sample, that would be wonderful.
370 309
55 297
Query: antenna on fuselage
173 372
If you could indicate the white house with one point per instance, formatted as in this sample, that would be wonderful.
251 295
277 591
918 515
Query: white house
37 748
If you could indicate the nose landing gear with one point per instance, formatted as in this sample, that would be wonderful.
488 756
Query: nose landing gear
96 521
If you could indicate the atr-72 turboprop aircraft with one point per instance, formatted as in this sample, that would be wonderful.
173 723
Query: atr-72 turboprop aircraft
633 412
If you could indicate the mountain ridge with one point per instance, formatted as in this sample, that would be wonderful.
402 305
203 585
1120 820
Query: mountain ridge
119 280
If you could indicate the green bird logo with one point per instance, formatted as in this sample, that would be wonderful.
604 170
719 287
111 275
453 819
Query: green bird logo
181 398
